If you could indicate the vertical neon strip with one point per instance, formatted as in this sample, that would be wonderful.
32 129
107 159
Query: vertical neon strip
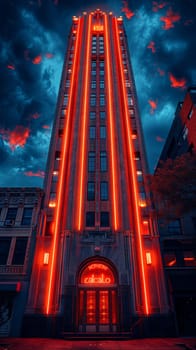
83 129
134 178
61 180
111 122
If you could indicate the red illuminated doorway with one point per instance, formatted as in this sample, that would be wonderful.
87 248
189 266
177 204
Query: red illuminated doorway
97 298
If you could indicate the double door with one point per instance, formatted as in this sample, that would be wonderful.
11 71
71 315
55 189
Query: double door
97 310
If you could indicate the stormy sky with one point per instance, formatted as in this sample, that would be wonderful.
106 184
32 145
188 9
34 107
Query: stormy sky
33 40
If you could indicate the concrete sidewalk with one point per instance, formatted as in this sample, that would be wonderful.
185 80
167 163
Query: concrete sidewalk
136 344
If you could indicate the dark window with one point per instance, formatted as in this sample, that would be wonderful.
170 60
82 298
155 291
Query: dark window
104 190
91 161
11 214
19 251
92 115
103 161
102 100
4 249
175 227
93 84
102 132
101 64
92 132
65 100
93 100
101 84
27 216
104 219
101 72
93 64
91 191
90 219
102 114
57 155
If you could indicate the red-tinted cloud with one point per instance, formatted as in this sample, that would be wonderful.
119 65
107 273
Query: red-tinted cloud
11 66
152 46
177 83
39 173
17 137
49 55
161 72
159 139
56 2
157 6
153 105
46 126
128 13
170 19
37 59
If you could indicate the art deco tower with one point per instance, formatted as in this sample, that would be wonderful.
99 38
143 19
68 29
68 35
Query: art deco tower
97 265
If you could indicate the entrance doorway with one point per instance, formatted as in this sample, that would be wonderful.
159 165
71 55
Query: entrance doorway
97 299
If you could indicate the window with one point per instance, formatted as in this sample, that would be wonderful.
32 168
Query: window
4 250
93 84
91 161
102 115
104 190
102 132
92 115
90 219
93 64
19 251
67 84
103 161
92 132
27 216
91 191
93 100
104 219
102 100
101 72
11 216
101 64
101 84
57 155
175 227
65 100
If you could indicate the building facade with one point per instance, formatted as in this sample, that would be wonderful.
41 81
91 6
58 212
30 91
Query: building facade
19 212
178 237
97 267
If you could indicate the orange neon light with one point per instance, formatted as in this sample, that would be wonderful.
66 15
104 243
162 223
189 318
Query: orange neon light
98 28
112 133
134 178
172 262
61 180
148 258
83 130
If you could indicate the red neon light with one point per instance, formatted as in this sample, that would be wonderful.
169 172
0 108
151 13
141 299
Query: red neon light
98 28
83 131
49 288
134 179
112 133
97 273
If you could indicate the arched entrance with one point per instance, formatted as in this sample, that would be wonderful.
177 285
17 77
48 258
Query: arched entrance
97 293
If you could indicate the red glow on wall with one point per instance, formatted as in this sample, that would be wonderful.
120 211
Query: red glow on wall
170 19
39 173
177 83
152 46
157 6
160 139
35 115
17 137
97 273
37 59
11 66
153 105
160 71
49 55
128 13
46 127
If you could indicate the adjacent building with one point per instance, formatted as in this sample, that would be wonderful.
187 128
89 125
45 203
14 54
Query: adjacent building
19 212
97 267
178 237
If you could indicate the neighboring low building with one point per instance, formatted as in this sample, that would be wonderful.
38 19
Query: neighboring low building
19 211
178 237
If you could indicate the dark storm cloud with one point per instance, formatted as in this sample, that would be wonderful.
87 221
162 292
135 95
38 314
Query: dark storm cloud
33 35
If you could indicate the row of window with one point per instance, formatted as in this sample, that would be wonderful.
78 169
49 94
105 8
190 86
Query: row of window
92 161
13 251
103 190
102 131
93 100
104 219
12 214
